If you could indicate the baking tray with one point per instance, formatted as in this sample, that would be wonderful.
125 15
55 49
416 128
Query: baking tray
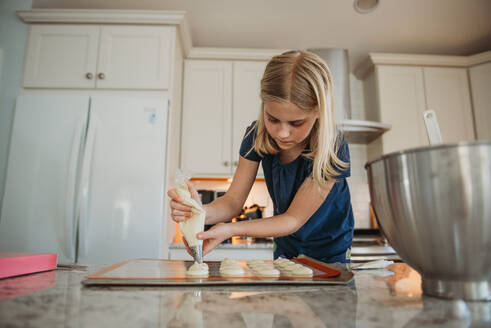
173 272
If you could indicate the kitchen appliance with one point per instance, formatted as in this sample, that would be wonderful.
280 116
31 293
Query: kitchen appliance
432 204
371 245
206 196
219 193
1 61
252 212
86 178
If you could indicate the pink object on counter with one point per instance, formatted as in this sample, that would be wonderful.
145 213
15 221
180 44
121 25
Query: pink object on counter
15 264
26 284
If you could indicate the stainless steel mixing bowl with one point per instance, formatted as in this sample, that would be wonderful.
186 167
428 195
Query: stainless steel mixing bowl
434 206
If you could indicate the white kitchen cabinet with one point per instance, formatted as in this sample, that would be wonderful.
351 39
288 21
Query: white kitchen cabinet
221 98
447 93
61 56
401 103
98 56
207 117
398 95
480 78
246 102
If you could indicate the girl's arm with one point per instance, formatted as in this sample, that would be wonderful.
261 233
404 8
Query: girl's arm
306 202
229 205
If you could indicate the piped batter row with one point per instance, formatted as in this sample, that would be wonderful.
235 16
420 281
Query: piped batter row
231 268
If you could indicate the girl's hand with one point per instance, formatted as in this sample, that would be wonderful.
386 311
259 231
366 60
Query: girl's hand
179 211
193 192
214 236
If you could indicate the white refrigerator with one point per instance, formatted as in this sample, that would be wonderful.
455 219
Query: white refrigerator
86 178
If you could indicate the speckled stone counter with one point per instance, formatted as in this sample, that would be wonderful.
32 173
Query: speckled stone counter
376 298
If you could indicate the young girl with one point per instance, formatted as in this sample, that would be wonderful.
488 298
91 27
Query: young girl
305 162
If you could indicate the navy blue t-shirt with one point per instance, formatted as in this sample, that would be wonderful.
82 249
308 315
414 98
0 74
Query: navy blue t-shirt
328 234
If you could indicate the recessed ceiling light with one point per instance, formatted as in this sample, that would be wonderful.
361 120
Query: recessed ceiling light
365 6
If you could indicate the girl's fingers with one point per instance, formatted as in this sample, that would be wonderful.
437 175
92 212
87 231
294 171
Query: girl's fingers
180 207
179 211
214 236
208 234
193 192
172 193
209 245
179 218
186 214
182 213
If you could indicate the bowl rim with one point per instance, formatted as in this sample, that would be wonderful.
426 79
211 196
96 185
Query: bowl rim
426 148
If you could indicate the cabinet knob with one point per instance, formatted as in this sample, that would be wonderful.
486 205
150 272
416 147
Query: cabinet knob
89 76
101 76
236 163
226 163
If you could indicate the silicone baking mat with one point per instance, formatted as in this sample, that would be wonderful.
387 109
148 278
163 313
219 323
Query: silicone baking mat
173 272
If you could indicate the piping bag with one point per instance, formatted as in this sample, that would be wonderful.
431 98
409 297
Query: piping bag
195 223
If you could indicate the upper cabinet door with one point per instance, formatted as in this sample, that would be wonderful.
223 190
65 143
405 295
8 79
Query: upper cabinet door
480 76
206 127
246 101
447 93
62 56
136 57
401 97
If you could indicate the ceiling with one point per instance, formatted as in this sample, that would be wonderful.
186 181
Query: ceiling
450 27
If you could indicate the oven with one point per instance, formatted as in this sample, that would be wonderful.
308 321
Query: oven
371 245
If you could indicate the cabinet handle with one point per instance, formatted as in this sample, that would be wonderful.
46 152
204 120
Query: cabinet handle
101 76
236 163
89 76
226 163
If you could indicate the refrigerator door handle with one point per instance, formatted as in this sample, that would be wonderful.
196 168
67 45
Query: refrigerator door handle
85 190
68 237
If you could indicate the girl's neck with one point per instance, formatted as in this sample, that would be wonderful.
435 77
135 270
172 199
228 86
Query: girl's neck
289 155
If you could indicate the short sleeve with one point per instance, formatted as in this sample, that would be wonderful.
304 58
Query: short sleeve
247 146
343 154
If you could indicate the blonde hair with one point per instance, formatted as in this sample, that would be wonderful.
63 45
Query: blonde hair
303 78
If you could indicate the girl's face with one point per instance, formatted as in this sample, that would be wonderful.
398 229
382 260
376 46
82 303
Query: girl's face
288 124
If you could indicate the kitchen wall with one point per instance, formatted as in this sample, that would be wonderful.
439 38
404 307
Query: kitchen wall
358 182
13 37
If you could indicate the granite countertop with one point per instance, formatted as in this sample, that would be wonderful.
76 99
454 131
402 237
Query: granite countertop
376 298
